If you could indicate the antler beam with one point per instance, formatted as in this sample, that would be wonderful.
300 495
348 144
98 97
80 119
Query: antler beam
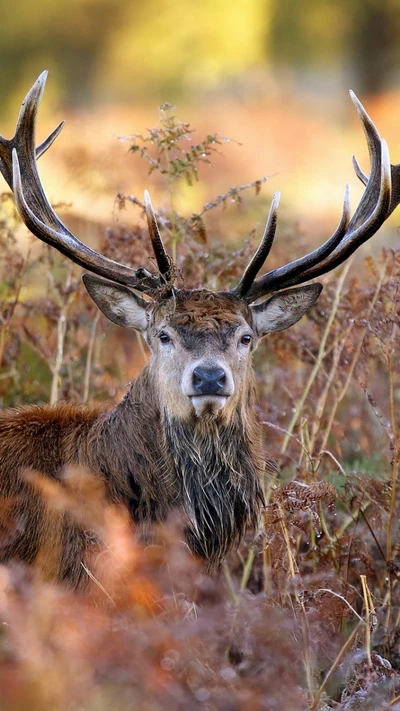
381 196
18 158
18 166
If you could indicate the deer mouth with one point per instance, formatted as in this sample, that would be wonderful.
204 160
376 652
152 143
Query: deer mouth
208 386
209 404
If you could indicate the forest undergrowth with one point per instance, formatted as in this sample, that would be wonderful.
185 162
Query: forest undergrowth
306 616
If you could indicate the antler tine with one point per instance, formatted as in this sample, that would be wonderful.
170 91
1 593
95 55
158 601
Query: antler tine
162 259
45 145
6 146
373 209
18 166
395 177
289 272
359 173
262 252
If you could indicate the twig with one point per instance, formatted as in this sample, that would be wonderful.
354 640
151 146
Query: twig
89 357
98 583
300 603
356 355
339 466
5 326
61 332
334 666
368 611
343 599
320 358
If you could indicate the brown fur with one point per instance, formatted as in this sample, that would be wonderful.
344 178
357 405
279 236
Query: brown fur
204 310
147 456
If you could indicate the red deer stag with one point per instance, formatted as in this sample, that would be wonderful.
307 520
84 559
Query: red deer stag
185 437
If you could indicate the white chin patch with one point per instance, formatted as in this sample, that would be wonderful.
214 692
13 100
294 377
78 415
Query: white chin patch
208 404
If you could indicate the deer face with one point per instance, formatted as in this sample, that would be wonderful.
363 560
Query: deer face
201 344
201 341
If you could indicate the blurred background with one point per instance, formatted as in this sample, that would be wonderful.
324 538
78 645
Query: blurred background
102 51
272 74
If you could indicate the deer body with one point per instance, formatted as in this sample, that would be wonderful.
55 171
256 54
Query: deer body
150 457
153 477
185 436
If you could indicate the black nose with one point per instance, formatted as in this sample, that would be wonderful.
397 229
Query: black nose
208 381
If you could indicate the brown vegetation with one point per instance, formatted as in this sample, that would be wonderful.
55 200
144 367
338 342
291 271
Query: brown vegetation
305 617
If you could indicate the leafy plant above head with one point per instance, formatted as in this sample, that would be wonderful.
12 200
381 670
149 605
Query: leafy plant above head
169 151
166 150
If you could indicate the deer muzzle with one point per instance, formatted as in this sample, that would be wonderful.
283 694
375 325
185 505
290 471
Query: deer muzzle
208 386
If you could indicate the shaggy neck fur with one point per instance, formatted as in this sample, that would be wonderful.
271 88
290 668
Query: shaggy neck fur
209 469
219 484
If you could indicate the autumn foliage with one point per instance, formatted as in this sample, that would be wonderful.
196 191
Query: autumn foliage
306 614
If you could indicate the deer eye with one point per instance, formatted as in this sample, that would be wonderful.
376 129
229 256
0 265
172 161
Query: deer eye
164 337
245 340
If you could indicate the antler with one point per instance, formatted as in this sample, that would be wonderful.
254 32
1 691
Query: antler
377 202
18 166
18 158
162 259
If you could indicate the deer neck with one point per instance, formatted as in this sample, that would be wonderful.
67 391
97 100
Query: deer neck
132 455
218 466
211 469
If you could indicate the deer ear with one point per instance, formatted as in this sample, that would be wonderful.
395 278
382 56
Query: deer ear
284 309
119 304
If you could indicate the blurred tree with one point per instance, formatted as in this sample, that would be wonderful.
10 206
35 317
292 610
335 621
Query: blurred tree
374 42
358 38
174 45
67 36
113 49
305 32
117 49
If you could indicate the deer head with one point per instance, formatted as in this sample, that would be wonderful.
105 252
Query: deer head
201 341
